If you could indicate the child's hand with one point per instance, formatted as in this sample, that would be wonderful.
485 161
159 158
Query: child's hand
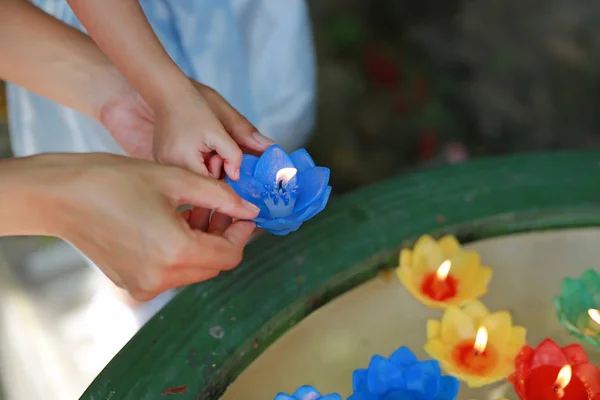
199 131
203 133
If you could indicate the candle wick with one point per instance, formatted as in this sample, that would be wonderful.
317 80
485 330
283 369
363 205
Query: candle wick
281 184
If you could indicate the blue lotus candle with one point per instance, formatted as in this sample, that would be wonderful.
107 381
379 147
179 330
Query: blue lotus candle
403 376
288 189
307 393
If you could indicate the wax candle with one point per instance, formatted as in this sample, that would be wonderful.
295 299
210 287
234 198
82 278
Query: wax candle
577 307
440 286
307 393
441 274
288 189
593 322
402 376
473 344
475 356
280 197
550 372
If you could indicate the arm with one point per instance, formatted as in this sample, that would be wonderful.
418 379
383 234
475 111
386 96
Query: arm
65 195
54 60
23 208
189 127
122 31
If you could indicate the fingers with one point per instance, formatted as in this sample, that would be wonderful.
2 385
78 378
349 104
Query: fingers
184 187
199 219
240 129
219 251
219 224
191 161
229 151
206 254
224 251
215 165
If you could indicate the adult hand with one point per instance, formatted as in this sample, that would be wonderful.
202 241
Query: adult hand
198 132
122 213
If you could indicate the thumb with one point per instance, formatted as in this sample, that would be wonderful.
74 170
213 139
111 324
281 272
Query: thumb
188 188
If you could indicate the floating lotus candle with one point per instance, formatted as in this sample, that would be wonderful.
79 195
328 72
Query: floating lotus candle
288 189
578 306
441 274
307 393
475 345
402 376
553 373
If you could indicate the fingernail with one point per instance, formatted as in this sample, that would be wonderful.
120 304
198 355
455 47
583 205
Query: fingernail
265 141
251 206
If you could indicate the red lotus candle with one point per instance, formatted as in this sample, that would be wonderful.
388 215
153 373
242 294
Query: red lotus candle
550 372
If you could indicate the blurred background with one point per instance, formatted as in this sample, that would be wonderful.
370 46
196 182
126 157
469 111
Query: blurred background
402 85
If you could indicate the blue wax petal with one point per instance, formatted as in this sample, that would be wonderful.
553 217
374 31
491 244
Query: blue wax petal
277 224
403 357
424 378
359 380
312 182
250 189
283 396
399 395
302 160
271 161
316 207
380 373
248 165
333 396
284 231
364 396
448 389
305 391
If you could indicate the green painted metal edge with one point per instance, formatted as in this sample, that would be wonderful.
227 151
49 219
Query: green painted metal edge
208 334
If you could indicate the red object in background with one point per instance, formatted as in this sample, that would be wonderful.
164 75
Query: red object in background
175 390
537 370
381 68
427 144
400 104
421 90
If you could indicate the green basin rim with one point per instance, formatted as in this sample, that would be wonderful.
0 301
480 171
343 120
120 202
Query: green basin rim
205 337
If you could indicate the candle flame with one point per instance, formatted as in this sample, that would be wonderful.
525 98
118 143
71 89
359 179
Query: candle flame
481 340
564 377
443 270
284 175
594 315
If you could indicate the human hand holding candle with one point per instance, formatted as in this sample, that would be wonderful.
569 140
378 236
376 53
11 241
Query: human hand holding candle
441 274
550 372
475 345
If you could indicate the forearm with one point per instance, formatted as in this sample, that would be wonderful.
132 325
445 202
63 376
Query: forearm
27 204
54 60
122 31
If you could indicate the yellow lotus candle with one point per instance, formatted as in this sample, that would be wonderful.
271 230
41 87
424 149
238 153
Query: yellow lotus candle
441 274
474 345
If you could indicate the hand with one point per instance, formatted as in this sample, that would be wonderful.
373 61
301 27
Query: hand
121 213
186 133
